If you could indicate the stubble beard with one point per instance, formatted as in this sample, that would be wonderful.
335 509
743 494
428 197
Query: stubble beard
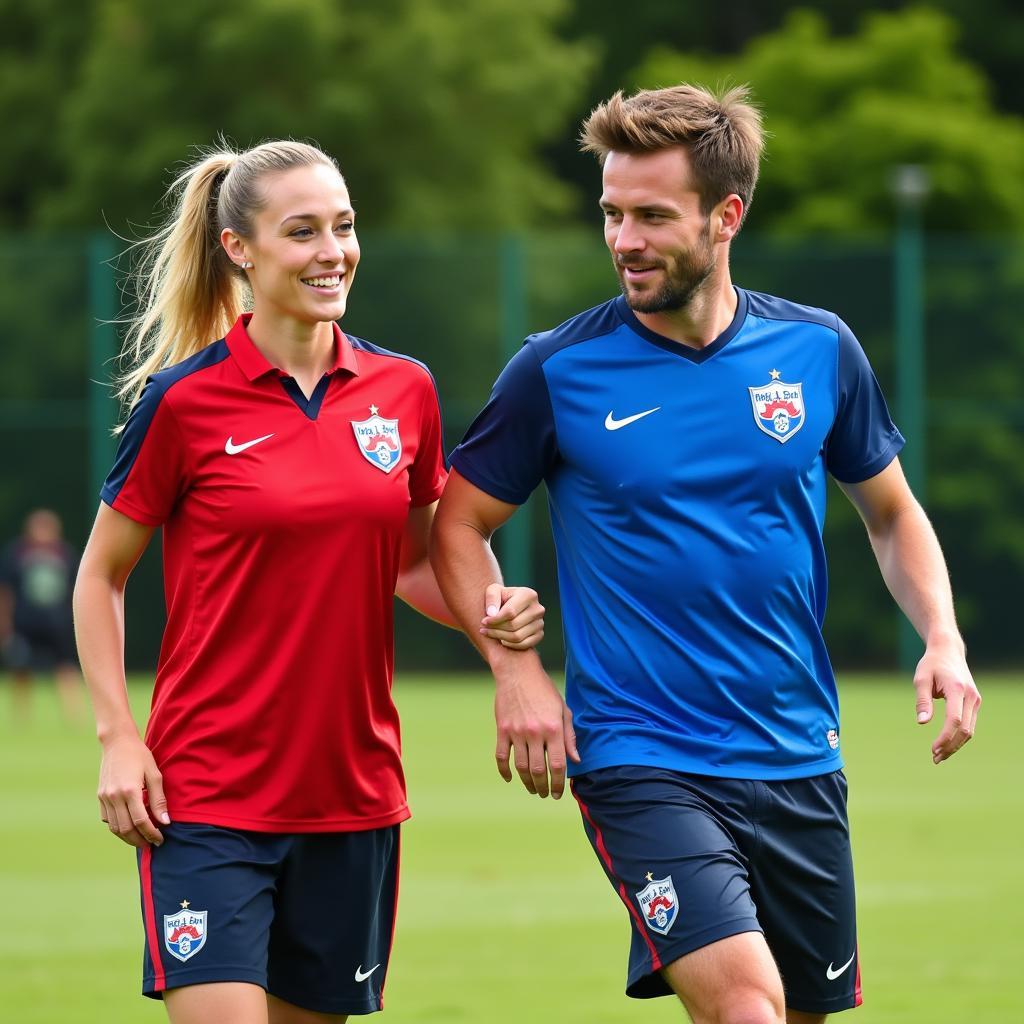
682 282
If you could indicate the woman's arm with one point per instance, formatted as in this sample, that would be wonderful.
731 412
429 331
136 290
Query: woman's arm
128 773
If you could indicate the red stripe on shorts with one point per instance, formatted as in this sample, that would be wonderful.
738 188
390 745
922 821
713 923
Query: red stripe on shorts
602 850
858 996
149 919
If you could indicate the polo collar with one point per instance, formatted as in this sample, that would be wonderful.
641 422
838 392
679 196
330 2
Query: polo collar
254 364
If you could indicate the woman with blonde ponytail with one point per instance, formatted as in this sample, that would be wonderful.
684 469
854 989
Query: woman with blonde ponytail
294 471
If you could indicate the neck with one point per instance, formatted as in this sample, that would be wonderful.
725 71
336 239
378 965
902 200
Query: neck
302 350
708 313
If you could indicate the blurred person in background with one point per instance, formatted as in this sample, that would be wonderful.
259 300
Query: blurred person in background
37 574
294 470
685 431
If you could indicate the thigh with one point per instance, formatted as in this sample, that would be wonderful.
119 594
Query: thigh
334 919
802 879
672 859
207 903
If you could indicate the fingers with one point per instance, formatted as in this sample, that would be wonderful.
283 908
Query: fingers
501 755
923 686
570 735
514 617
962 705
157 799
126 815
540 765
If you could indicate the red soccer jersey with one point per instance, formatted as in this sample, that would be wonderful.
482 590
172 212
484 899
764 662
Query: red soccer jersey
282 520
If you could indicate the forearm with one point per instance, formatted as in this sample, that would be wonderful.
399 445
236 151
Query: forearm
464 567
99 631
914 570
418 588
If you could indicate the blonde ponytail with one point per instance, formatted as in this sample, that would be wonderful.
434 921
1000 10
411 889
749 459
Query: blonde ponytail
188 292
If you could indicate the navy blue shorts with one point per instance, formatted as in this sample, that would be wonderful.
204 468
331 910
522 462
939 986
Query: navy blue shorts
308 916
696 859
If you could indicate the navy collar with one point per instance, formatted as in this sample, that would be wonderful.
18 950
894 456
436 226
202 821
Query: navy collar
694 355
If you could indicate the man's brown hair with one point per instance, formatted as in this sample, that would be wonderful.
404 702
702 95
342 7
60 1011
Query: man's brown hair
722 135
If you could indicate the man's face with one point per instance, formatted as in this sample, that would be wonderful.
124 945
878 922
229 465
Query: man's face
659 239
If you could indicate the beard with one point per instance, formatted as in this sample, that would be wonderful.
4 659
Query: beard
683 279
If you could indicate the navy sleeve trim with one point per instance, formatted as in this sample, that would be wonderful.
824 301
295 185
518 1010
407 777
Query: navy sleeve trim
512 444
863 439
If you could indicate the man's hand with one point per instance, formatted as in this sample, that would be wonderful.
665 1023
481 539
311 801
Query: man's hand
943 672
534 727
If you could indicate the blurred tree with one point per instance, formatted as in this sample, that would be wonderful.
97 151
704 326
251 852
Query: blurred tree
843 111
434 110
40 51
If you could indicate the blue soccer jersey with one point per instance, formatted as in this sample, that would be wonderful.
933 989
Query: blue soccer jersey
687 498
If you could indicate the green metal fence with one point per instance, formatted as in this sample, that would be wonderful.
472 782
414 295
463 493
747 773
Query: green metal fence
463 304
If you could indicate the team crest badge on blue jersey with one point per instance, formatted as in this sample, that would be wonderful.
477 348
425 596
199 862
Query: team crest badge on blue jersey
778 407
659 904
379 440
185 932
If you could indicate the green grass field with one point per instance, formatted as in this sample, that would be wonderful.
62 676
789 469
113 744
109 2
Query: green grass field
505 914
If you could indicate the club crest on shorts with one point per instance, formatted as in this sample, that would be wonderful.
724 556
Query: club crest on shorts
185 932
659 904
778 407
378 440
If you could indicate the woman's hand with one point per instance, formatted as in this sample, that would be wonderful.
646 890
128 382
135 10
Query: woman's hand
515 617
129 780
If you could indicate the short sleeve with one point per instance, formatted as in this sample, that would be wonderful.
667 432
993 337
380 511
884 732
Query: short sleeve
512 445
148 476
428 474
863 439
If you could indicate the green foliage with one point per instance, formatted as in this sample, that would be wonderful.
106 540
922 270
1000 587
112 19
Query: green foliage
842 112
435 111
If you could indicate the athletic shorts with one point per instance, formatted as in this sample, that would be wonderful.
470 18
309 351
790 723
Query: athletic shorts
307 916
696 859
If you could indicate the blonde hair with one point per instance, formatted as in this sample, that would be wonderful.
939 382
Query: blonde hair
188 293
722 134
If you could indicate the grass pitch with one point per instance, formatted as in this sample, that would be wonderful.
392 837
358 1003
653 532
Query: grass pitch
504 913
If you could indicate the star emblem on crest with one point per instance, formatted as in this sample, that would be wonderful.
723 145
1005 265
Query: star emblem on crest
775 374
373 410
184 904
649 877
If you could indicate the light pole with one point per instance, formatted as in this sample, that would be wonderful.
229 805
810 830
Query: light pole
910 186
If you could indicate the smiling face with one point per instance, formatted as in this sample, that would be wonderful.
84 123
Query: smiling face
659 239
303 247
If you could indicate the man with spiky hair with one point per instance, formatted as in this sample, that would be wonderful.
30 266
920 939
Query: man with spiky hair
685 431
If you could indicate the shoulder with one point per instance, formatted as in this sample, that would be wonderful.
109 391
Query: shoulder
585 326
161 382
771 307
390 361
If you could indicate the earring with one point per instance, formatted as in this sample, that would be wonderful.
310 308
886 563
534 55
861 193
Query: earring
246 265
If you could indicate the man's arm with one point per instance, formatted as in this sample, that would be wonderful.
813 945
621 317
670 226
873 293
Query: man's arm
914 570
533 723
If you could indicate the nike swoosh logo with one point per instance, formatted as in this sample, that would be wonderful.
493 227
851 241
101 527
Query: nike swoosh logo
611 423
233 449
361 976
833 974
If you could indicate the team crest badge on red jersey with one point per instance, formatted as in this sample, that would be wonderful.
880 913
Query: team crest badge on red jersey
379 440
778 407
659 904
185 932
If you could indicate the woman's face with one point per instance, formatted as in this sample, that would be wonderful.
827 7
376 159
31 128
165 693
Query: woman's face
303 247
